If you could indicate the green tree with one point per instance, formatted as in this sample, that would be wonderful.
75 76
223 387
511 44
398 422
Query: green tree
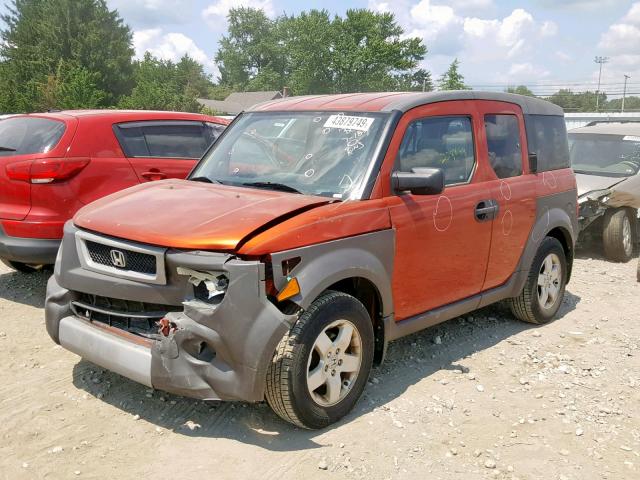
452 79
249 57
369 51
314 53
416 81
630 104
307 41
164 85
577 102
38 34
520 90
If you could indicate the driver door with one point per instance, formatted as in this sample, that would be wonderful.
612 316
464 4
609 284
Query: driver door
442 242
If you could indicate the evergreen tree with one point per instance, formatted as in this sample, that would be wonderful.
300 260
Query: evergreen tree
452 79
85 35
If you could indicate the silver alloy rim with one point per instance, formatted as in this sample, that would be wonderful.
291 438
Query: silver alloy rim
549 281
626 236
334 363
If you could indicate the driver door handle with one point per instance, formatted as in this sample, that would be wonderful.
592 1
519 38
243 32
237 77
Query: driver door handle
487 210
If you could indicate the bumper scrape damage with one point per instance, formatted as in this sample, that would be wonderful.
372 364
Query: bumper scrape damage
208 333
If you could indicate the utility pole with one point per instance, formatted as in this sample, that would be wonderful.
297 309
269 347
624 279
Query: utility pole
624 94
601 61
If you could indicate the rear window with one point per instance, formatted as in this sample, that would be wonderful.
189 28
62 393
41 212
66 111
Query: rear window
167 139
547 137
28 135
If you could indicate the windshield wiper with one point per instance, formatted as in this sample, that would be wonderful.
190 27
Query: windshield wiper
272 186
204 180
7 149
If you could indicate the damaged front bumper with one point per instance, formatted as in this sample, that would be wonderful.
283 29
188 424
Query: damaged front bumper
215 346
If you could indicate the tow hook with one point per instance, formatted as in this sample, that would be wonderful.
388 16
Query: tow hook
165 327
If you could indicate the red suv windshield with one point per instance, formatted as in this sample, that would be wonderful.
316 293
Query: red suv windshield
28 135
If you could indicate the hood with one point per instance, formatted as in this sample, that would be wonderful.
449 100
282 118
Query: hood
191 215
590 183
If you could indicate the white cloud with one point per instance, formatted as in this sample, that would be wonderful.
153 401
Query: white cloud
620 42
216 13
169 46
450 31
523 72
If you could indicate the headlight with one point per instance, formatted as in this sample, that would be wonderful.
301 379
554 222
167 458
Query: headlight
208 287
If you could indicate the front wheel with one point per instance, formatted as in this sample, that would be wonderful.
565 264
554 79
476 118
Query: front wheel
543 292
322 364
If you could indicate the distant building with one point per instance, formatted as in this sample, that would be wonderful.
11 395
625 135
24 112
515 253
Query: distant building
237 102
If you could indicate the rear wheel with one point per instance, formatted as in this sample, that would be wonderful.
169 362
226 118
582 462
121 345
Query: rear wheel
21 267
619 234
543 292
322 364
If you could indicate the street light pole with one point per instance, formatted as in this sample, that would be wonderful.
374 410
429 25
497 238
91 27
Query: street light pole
624 94
601 61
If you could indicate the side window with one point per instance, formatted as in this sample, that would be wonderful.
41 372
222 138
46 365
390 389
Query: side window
439 142
166 139
213 131
547 137
132 141
176 141
503 142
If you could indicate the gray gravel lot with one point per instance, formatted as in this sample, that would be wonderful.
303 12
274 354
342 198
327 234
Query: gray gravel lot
482 396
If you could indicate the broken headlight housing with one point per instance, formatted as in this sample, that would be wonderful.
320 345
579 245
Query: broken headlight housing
208 287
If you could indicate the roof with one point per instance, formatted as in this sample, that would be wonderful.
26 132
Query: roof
239 101
403 101
611 128
129 115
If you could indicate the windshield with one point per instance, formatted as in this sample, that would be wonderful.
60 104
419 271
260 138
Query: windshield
314 153
28 135
606 155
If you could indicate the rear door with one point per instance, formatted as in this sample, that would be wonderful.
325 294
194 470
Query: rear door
165 149
24 139
513 187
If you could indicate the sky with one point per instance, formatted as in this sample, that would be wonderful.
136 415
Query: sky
546 44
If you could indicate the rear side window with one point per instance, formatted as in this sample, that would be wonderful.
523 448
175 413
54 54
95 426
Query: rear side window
547 137
503 142
29 135
182 139
439 142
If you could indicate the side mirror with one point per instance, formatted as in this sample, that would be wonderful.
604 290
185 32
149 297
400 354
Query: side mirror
533 163
420 181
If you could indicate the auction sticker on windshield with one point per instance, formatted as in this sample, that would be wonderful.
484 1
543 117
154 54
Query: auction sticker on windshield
347 122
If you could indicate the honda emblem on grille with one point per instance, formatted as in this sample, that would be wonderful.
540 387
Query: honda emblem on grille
118 259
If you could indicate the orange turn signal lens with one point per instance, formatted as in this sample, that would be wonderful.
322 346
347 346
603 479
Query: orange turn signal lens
291 290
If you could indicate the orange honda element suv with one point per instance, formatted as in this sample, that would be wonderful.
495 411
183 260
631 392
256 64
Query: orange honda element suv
313 232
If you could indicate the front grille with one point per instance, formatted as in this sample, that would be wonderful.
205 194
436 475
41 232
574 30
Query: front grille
133 261
135 317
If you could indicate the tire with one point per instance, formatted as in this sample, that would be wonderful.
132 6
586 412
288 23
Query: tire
299 353
528 306
619 234
21 267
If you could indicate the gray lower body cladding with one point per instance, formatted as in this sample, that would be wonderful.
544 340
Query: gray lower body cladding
212 351
28 250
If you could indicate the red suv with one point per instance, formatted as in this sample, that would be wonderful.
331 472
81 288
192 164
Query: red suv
52 164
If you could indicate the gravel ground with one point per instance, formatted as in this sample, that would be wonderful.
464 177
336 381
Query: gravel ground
482 396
